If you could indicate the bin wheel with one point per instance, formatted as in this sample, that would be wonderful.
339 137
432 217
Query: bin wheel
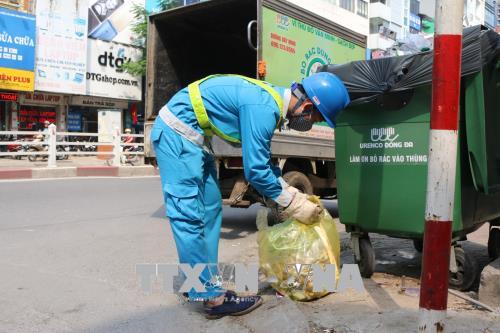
367 262
494 243
418 244
467 270
298 180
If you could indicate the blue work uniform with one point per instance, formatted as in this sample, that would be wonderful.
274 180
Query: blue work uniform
193 201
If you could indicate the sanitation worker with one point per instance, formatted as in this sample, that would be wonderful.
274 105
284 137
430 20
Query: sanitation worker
239 110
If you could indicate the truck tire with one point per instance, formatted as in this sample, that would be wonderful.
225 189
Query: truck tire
299 181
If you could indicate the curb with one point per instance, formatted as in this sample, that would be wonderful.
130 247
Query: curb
16 173
93 171
79 171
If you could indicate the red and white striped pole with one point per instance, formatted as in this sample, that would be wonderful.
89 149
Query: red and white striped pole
442 164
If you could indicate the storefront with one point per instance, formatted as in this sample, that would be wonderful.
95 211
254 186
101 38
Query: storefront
33 109
83 112
7 101
134 117
17 62
111 88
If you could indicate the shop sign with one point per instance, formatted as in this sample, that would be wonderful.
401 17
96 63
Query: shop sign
105 74
41 98
415 22
17 50
111 20
33 117
61 56
74 121
96 102
9 97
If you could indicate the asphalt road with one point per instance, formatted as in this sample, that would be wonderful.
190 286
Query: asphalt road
69 248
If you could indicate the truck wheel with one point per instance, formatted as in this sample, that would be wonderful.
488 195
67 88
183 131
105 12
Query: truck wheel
467 270
494 243
418 244
299 181
367 263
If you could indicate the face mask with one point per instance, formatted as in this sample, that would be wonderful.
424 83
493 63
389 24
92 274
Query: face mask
300 123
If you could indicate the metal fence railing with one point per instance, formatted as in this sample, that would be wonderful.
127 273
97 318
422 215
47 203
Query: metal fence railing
53 145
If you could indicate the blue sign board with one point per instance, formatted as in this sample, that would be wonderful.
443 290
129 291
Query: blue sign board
17 40
415 22
74 121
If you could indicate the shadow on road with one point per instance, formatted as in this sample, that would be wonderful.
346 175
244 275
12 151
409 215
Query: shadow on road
380 296
398 257
159 213
240 222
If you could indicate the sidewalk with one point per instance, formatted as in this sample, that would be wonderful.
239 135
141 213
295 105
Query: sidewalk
389 304
75 166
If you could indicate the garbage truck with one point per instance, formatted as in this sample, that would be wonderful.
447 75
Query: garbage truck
272 40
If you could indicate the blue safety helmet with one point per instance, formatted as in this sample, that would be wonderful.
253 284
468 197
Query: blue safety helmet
328 93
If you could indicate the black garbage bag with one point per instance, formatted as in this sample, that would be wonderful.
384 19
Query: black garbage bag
367 79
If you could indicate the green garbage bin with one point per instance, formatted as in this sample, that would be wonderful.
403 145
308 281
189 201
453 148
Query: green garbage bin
381 157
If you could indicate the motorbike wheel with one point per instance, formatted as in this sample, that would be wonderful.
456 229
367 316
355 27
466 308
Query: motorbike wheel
32 158
65 150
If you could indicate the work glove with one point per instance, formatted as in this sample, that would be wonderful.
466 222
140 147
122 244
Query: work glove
292 189
287 187
302 209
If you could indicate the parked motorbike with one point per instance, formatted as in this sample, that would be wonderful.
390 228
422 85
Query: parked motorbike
15 148
89 144
62 149
4 138
12 147
41 147
131 159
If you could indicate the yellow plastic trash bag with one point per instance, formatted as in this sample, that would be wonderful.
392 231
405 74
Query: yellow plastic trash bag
284 245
